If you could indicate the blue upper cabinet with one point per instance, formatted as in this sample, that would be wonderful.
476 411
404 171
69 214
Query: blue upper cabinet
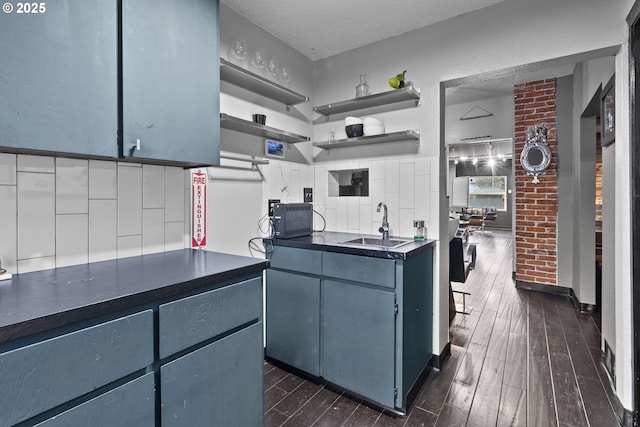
60 71
58 77
170 69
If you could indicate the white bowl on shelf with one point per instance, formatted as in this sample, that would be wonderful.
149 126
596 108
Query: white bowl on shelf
372 130
350 120
372 121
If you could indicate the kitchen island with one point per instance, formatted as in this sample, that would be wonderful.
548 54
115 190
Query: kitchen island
355 316
173 338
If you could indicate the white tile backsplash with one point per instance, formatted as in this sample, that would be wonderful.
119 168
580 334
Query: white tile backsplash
407 182
353 206
378 170
35 264
8 228
72 239
36 215
59 211
103 230
173 236
103 179
129 200
152 231
152 186
129 246
174 200
72 186
40 164
392 176
8 169
406 223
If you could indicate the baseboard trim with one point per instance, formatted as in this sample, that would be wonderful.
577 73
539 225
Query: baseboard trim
439 359
557 290
539 287
581 306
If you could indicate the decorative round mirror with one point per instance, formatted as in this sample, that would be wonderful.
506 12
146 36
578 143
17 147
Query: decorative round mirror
536 155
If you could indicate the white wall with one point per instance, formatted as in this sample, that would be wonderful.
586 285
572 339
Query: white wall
508 34
564 133
500 125
56 212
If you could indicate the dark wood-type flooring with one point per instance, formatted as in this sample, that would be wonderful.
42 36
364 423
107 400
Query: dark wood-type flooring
521 358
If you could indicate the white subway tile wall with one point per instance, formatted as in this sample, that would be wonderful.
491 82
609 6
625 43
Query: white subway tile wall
404 184
57 212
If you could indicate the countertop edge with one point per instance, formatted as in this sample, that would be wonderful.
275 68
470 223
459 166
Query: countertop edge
401 253
65 318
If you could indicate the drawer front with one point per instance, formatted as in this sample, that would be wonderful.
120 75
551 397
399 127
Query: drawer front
41 376
374 271
229 387
191 320
294 259
130 405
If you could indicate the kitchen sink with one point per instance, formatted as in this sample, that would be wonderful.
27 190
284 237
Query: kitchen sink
372 241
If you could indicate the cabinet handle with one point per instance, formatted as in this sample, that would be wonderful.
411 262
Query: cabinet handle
135 146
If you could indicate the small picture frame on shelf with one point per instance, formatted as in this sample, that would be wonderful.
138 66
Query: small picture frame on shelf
608 113
274 148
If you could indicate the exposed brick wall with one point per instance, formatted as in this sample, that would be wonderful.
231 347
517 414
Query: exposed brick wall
536 204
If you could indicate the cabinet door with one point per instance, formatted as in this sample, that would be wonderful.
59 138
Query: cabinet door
130 405
293 324
58 77
358 337
219 384
171 80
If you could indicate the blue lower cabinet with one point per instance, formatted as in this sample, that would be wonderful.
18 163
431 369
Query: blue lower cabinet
293 320
358 336
130 405
39 377
219 384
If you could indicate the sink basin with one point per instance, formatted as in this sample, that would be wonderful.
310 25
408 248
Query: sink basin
372 241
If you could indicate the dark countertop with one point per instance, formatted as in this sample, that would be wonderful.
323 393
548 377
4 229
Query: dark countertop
329 241
36 302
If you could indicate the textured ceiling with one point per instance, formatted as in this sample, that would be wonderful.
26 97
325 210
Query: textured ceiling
322 28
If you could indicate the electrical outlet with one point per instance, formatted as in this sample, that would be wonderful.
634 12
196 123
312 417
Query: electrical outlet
308 195
271 204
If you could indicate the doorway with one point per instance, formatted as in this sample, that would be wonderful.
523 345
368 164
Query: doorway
633 19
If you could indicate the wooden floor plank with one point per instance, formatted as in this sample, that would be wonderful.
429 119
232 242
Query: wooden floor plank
515 373
465 382
452 416
436 388
513 407
486 402
598 408
499 341
541 409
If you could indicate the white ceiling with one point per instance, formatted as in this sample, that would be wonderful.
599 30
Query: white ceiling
322 28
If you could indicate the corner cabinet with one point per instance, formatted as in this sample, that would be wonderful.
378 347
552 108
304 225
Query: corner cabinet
406 97
362 323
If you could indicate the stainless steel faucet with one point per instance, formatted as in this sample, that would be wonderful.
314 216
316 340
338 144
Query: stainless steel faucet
384 228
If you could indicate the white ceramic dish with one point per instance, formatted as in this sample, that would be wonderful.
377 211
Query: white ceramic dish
372 130
350 120
372 121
